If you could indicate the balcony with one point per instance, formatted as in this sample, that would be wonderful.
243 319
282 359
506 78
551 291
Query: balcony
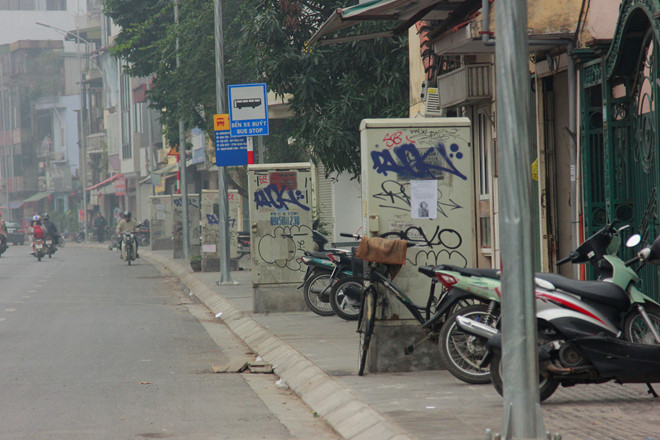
466 85
96 143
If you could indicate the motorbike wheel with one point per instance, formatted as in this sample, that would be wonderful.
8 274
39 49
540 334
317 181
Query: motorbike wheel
129 255
547 386
143 240
461 352
39 257
341 304
635 328
313 287
60 241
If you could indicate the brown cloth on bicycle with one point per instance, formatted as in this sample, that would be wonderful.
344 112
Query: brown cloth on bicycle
382 250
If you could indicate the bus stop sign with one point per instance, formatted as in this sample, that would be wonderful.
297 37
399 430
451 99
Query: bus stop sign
248 109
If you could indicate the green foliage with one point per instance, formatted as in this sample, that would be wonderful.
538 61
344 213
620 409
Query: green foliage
333 87
66 221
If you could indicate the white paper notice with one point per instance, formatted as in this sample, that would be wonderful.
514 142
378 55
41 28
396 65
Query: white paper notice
208 248
424 199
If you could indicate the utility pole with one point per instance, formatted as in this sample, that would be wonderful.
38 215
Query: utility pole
182 154
225 272
522 410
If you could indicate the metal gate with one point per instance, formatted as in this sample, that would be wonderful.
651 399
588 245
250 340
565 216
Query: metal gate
621 157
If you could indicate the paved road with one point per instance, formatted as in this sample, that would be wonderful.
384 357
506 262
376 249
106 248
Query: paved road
93 349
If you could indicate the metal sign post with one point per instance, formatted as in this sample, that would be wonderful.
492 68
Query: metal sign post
225 268
522 410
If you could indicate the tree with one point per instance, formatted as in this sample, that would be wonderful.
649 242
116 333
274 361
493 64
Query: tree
333 87
148 44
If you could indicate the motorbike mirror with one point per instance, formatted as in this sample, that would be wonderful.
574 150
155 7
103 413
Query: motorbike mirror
633 240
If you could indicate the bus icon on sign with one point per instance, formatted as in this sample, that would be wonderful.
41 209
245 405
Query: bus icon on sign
242 103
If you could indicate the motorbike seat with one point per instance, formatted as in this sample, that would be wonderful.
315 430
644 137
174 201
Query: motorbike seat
318 254
598 291
467 271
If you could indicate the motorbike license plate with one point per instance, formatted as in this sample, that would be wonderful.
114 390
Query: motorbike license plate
11 230
48 242
38 246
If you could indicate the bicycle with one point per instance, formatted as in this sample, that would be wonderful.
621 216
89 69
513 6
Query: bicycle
379 271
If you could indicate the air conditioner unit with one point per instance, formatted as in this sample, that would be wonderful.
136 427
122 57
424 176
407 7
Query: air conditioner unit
432 103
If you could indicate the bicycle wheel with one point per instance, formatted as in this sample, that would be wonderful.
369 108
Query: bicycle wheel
312 289
461 352
366 326
342 304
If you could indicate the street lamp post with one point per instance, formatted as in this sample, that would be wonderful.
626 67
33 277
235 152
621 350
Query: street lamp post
82 140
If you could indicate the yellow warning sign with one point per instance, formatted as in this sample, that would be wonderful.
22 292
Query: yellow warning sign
221 122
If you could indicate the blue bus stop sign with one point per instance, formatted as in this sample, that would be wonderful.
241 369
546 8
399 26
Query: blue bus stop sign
248 109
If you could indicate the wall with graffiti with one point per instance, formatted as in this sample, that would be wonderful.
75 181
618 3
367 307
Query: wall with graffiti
281 221
211 223
417 178
160 222
194 228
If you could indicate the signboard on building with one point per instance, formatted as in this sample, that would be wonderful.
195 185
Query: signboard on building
120 186
248 109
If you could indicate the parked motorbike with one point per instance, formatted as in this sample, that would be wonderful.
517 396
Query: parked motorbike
589 332
316 282
243 243
128 247
142 234
38 248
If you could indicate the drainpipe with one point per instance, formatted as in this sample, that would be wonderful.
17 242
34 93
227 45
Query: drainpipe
572 129
485 23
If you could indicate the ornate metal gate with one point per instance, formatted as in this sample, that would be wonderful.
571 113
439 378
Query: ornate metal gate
620 140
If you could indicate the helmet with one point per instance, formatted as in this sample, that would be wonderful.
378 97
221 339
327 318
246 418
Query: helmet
36 218
45 216
127 214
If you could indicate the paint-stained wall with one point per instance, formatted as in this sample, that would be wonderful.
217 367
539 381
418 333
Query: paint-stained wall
399 156
160 222
281 221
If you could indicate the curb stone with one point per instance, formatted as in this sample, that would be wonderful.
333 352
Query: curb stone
363 424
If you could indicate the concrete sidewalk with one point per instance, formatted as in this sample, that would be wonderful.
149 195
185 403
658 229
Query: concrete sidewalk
317 356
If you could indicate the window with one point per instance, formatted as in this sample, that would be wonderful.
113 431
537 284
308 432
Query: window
56 5
484 163
138 115
482 143
125 93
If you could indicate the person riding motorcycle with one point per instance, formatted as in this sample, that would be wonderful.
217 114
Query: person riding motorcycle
51 229
127 224
3 235
36 230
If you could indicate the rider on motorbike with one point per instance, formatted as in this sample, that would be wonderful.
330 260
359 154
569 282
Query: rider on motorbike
51 229
3 235
36 230
127 224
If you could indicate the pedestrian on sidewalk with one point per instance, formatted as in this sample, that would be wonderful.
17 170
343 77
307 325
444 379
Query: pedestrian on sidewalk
100 224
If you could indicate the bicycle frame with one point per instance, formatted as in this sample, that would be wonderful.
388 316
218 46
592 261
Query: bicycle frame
378 278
